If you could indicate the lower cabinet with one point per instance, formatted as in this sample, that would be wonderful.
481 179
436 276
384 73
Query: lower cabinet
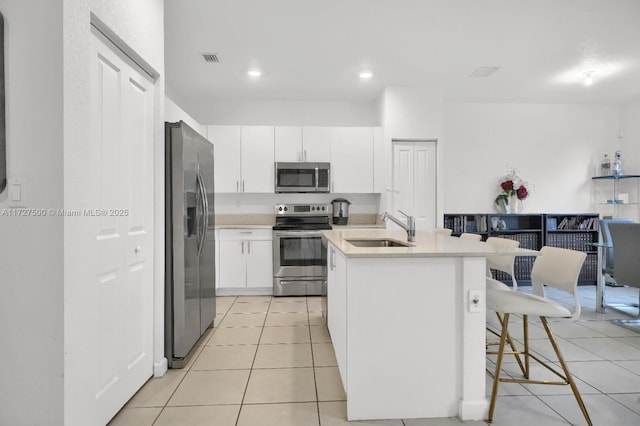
245 260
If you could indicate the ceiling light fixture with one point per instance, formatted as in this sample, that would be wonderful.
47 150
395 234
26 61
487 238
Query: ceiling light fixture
588 79
366 75
254 73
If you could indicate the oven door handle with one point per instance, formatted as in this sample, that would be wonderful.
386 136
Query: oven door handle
300 234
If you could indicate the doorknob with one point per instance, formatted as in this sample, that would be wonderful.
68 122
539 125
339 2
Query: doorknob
138 249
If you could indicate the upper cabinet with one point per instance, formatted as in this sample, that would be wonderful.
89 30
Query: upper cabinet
245 155
351 159
308 144
243 158
288 144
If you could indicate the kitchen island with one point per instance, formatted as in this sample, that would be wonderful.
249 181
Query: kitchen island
408 324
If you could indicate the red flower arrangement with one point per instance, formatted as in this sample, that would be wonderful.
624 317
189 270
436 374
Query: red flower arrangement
511 185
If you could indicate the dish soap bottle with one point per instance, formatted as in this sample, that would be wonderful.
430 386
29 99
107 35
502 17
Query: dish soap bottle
605 166
617 164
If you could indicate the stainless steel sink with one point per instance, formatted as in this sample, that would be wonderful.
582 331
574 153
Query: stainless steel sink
383 242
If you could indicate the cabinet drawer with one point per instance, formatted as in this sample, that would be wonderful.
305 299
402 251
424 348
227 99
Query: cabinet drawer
246 234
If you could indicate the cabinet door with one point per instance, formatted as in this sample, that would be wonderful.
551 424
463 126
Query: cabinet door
232 265
337 307
227 153
316 143
288 144
257 159
352 159
259 263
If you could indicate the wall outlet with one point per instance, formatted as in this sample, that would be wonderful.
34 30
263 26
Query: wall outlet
475 297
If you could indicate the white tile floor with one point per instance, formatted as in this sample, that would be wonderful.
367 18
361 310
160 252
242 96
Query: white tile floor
269 361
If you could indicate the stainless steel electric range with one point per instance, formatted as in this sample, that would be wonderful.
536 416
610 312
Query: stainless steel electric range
299 254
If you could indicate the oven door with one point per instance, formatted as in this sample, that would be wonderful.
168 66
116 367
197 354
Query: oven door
299 254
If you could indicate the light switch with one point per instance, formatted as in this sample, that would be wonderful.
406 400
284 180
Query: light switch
17 192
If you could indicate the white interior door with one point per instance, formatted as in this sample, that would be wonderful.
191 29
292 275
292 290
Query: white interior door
114 308
414 182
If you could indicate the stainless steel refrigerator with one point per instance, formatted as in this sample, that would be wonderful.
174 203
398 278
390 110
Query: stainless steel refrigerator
190 305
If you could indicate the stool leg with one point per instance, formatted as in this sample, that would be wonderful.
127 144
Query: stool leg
496 376
525 331
513 348
572 383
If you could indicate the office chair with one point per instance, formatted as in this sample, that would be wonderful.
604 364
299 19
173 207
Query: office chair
606 238
626 241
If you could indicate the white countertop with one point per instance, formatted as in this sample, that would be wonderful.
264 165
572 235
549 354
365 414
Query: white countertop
427 244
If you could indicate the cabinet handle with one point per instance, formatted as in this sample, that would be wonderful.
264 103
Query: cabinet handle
237 186
242 252
248 247
305 155
243 186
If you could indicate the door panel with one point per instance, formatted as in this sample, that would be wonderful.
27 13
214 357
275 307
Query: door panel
424 185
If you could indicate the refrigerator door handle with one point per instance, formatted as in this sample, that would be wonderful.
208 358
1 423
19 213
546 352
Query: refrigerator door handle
205 210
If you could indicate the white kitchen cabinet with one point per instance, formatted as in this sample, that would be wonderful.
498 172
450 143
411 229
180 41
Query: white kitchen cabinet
316 143
351 159
245 258
308 144
337 300
288 144
257 159
243 158
227 151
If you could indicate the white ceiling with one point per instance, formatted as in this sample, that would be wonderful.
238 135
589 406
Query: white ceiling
314 49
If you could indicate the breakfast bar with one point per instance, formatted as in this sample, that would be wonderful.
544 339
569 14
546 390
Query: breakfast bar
407 322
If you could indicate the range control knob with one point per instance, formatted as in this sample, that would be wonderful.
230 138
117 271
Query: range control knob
280 208
285 208
322 208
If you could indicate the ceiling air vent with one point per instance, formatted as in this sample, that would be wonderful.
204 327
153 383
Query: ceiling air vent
484 72
211 57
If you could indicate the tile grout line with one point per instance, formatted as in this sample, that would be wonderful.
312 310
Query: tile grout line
255 355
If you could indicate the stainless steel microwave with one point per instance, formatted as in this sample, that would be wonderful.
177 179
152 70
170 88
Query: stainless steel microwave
302 177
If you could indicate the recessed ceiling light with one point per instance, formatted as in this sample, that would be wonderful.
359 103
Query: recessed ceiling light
254 73
366 75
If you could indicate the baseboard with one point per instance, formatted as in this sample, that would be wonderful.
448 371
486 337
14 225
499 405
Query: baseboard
160 368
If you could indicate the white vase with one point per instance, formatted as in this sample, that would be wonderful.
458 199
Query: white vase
515 205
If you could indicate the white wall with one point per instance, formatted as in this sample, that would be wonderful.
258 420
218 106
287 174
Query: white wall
556 148
630 141
282 112
31 272
173 113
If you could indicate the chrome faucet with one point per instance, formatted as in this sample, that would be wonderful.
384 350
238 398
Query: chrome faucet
410 226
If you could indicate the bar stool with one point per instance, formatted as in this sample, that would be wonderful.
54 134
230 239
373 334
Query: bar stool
504 263
555 267
470 236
